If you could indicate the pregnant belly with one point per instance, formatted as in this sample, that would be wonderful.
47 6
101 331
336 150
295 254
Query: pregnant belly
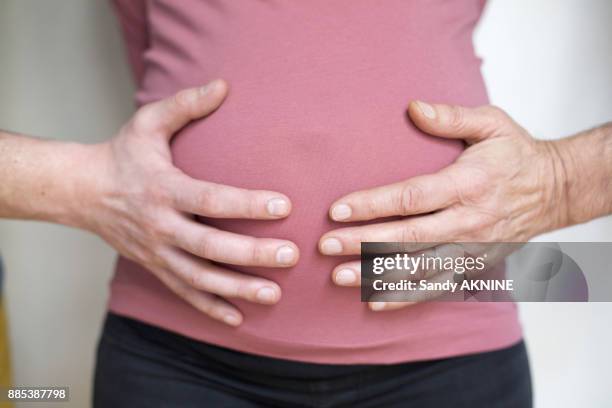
314 154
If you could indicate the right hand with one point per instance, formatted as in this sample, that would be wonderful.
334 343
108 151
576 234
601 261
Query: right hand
144 207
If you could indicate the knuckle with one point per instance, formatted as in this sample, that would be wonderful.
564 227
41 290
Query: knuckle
456 118
421 272
154 195
498 117
256 253
371 207
194 279
204 247
163 229
209 202
409 233
215 309
410 197
143 119
207 307
184 100
480 183
157 193
155 258
240 289
253 208
495 111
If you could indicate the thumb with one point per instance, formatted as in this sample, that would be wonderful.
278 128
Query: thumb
458 122
169 115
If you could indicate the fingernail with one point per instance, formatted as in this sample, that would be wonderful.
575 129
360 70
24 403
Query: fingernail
377 306
346 277
331 246
231 319
285 255
266 295
427 110
209 87
277 207
341 212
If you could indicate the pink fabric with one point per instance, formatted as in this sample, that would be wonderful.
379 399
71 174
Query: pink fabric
319 90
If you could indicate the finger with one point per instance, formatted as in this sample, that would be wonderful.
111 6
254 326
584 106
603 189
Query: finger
438 227
392 301
206 303
169 115
458 122
236 249
379 306
221 201
347 274
203 275
418 195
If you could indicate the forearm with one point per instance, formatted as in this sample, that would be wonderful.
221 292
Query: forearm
583 175
43 179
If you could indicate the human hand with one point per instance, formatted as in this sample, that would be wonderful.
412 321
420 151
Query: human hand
505 187
144 207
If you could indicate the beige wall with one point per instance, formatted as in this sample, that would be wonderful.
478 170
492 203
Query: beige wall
63 75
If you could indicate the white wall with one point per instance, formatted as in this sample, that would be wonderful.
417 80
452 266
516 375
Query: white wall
63 75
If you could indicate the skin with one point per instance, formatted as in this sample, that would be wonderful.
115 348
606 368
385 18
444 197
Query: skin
505 187
128 192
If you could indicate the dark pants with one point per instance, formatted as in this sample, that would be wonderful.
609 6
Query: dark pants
144 366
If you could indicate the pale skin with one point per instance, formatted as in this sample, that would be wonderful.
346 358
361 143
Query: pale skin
128 192
506 186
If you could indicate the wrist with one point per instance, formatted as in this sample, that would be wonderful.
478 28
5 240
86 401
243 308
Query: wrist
557 173
582 166
87 185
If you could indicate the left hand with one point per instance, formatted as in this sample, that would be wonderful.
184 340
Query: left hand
502 188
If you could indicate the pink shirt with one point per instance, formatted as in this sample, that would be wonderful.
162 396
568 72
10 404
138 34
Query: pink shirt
319 90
